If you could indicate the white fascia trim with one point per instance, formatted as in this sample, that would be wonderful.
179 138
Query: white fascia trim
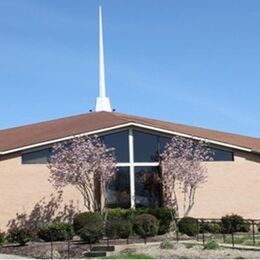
122 126
64 138
192 137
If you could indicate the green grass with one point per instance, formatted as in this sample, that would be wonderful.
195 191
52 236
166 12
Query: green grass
244 240
129 256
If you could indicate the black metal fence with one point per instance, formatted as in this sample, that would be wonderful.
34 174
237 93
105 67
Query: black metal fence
205 229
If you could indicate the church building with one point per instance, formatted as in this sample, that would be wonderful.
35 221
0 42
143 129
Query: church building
233 182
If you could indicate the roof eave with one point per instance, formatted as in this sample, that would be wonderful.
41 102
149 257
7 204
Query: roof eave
129 124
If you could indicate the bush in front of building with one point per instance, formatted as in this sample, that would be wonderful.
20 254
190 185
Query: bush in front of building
118 228
162 214
209 227
89 226
2 238
234 223
188 226
55 232
146 225
120 213
124 229
19 235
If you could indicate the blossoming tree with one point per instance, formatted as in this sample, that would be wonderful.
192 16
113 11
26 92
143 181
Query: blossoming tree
87 164
182 168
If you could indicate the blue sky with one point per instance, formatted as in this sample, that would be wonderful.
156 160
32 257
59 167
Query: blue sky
185 61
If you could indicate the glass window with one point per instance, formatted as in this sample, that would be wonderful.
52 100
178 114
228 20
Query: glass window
37 157
222 155
162 143
145 147
147 187
118 189
119 141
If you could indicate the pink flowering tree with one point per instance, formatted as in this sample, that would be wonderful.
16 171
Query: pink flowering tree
183 168
86 163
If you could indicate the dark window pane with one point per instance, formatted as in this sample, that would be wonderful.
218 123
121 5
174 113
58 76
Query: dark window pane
222 155
37 157
119 141
145 147
162 143
118 189
147 187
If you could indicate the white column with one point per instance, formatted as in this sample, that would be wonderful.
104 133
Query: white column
132 170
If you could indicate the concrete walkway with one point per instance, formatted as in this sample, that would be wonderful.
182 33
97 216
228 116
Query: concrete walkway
4 256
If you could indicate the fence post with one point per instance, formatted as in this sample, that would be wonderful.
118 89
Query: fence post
253 230
232 237
177 231
51 246
203 235
223 232
198 229
68 240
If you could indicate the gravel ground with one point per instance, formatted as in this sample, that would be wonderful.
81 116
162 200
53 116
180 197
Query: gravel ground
180 251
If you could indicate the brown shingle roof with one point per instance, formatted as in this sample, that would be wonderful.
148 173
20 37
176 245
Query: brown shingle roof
50 130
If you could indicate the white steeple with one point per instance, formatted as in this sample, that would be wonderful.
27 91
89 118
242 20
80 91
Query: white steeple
102 102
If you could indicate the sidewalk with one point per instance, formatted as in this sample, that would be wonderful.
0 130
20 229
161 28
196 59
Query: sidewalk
4 256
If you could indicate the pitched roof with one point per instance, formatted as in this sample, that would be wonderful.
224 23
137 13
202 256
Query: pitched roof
48 131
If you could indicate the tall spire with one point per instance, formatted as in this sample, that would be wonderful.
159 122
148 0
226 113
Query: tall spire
102 102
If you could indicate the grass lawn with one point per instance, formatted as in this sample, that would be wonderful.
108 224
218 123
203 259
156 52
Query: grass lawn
130 256
244 240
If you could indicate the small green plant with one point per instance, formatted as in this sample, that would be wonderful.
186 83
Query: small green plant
2 238
240 257
19 235
89 226
189 245
212 245
188 226
146 225
166 244
55 232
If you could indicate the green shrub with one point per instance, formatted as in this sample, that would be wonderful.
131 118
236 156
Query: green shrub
165 218
258 227
19 235
118 228
162 214
234 223
212 245
89 226
146 225
166 244
124 229
207 227
55 232
188 226
2 238
119 213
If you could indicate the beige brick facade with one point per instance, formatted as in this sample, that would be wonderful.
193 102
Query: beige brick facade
232 187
